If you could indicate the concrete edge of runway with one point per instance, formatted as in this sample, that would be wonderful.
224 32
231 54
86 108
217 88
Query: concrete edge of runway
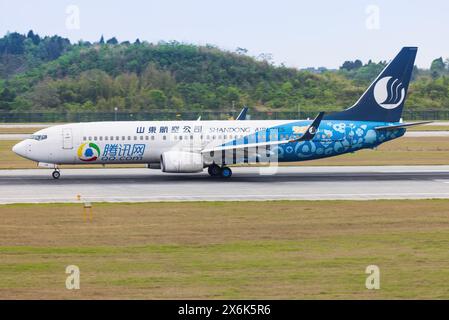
93 200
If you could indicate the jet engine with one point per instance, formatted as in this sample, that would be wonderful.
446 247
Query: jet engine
181 162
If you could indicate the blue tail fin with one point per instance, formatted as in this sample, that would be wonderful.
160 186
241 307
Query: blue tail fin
384 99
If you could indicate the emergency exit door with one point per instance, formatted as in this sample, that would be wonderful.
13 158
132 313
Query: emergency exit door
67 139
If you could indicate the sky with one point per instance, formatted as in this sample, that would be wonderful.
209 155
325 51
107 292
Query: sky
297 33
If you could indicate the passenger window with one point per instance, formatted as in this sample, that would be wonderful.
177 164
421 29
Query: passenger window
101 138
106 138
84 138
129 137
135 138
123 137
141 137
191 137
146 137
95 138
180 137
152 137
164 138
90 138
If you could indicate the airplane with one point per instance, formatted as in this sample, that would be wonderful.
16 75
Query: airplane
192 146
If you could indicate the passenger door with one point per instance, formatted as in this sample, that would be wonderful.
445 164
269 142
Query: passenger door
67 139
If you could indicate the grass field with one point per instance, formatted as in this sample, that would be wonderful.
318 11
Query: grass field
254 250
429 127
403 151
19 130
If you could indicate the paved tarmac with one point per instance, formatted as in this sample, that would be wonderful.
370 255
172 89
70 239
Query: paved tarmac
247 183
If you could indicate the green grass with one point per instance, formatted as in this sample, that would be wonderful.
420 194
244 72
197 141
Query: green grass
241 250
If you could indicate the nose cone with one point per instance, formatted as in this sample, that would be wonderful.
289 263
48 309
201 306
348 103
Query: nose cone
20 149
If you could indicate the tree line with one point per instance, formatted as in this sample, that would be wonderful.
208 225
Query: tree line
51 74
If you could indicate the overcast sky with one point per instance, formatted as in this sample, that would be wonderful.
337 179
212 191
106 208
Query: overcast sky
297 33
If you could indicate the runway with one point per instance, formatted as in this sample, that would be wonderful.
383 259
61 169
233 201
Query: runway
247 183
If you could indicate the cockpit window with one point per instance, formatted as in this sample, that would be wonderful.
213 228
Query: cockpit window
39 137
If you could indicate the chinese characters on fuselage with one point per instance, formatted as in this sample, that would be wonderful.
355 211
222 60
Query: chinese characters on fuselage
122 152
181 129
173 129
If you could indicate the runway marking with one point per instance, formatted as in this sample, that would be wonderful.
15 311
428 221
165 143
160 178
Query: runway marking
442 181
253 197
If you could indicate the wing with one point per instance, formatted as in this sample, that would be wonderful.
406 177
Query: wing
308 135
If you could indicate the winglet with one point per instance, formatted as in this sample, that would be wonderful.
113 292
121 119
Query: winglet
311 130
242 114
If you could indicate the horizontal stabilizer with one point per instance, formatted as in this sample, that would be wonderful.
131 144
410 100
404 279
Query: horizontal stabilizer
402 125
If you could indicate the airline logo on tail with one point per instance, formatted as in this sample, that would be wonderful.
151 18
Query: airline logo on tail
389 92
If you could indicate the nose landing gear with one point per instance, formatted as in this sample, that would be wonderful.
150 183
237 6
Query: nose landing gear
56 174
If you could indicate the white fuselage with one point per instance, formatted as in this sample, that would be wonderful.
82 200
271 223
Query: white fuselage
133 141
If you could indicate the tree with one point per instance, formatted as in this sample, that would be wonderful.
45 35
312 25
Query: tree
112 41
101 40
45 96
34 37
352 65
158 98
13 43
6 98
437 67
241 50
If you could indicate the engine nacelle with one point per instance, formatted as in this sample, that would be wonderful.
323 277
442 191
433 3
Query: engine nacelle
181 162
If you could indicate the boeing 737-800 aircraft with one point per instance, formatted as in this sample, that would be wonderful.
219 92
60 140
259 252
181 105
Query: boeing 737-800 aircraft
191 146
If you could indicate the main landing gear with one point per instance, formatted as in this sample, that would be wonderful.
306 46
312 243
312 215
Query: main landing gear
56 174
217 171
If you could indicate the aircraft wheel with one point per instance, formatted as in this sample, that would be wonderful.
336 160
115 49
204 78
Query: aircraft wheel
226 172
56 174
214 170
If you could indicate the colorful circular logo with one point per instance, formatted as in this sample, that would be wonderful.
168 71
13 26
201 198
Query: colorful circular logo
88 152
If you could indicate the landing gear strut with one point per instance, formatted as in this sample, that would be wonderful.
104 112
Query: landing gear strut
56 174
217 171
214 170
